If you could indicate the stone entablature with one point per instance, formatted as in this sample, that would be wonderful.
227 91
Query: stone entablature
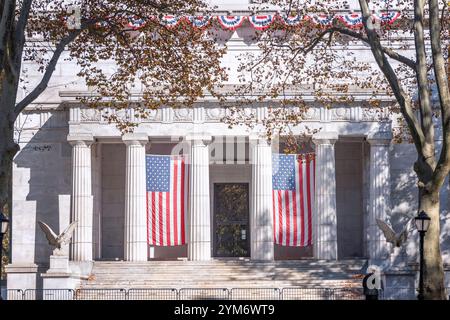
353 120
204 114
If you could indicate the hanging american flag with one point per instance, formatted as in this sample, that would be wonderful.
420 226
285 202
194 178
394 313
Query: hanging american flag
167 191
293 181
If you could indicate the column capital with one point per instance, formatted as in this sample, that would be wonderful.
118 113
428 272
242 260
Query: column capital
199 139
325 138
379 138
135 139
80 139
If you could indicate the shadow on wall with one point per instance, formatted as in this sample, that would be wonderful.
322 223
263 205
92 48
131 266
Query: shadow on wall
42 174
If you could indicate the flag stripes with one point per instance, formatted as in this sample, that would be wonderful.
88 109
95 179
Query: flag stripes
293 196
166 200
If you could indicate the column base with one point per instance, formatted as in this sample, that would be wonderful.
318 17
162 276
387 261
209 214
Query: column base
262 251
21 276
199 251
327 251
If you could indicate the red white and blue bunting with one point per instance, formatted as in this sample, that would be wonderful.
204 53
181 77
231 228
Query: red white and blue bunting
292 21
136 23
322 19
387 17
170 21
231 22
354 20
199 21
263 22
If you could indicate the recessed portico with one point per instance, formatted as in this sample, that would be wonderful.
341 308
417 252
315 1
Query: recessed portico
234 157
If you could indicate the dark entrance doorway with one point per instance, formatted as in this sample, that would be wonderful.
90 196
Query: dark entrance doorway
231 220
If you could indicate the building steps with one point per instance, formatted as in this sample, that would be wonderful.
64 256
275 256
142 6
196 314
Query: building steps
225 274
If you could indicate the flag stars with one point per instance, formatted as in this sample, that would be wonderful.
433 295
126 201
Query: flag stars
158 173
283 177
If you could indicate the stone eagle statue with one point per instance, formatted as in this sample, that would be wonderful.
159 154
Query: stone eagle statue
397 239
57 241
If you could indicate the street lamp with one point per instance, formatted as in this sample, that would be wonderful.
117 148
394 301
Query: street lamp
4 221
422 223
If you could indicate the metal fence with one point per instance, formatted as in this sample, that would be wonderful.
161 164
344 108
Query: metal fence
152 294
322 294
204 294
290 293
14 294
53 294
255 294
100 294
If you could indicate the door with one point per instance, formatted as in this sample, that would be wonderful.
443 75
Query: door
231 220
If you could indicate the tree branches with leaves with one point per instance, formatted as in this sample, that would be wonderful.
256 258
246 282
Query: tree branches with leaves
158 65
407 61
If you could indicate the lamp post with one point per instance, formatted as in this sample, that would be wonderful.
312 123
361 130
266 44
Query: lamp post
4 221
422 223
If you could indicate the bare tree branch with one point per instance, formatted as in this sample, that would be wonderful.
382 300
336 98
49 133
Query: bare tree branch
441 76
388 71
425 109
20 31
5 23
390 52
48 72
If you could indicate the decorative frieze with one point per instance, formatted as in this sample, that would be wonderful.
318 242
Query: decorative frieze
90 115
214 114
312 114
374 114
183 115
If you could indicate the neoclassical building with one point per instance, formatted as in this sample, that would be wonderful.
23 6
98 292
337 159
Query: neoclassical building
75 166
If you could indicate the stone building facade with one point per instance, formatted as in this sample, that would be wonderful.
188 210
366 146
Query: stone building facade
73 165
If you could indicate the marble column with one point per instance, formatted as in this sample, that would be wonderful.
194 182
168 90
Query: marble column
199 232
82 198
261 216
324 220
379 193
135 228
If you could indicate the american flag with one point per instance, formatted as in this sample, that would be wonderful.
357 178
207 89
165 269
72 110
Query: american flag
167 190
293 197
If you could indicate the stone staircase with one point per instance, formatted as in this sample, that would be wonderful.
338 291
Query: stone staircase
229 274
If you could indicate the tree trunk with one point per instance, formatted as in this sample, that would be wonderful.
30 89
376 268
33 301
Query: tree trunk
8 149
434 288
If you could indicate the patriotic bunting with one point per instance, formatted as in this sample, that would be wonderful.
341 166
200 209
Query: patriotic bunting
292 21
388 17
170 21
261 22
231 22
136 23
322 19
351 20
200 21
